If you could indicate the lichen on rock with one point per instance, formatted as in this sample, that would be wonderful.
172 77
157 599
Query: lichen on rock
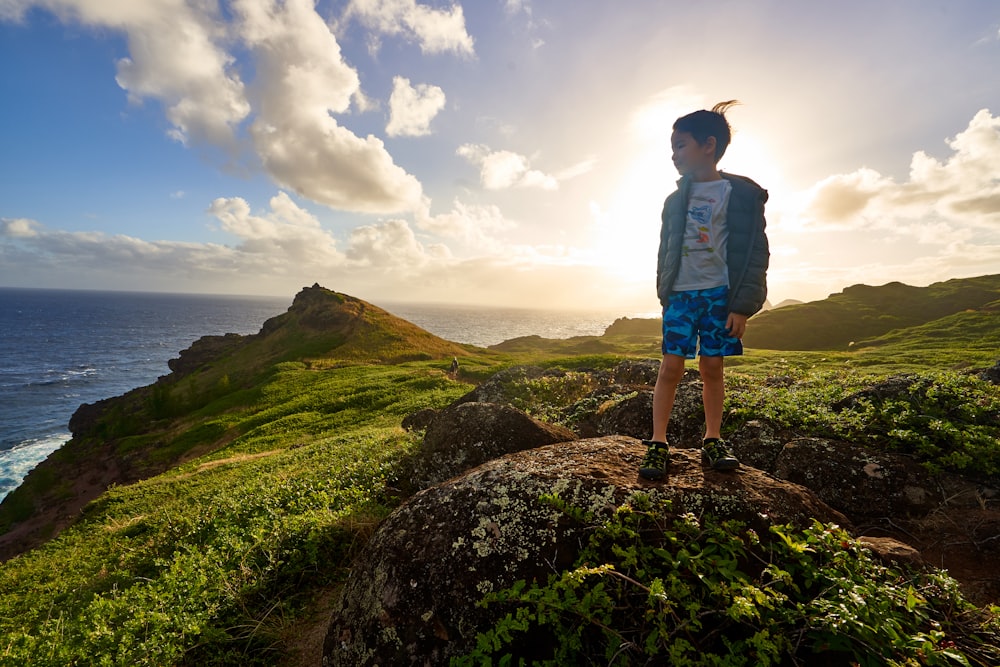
412 597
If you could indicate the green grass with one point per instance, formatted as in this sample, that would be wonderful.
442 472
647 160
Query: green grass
217 560
210 562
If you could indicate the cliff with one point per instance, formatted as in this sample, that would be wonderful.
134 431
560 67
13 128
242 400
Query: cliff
127 438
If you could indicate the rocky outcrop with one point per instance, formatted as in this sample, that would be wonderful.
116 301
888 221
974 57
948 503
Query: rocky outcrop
465 435
204 351
856 480
991 374
411 599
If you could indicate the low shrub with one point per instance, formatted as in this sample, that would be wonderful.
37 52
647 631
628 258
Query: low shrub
651 587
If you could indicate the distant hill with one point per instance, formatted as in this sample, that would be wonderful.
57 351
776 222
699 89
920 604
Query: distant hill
957 312
788 302
862 313
121 440
968 329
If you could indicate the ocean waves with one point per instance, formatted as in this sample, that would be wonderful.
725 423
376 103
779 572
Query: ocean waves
17 462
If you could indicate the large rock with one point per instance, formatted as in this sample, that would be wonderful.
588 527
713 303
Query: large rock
857 481
411 598
465 435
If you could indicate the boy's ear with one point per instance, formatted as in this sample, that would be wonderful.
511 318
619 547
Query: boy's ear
710 143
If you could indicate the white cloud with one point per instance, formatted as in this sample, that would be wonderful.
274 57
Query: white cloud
392 247
301 78
516 6
500 170
435 30
478 228
175 58
19 228
961 190
178 56
276 249
287 232
411 109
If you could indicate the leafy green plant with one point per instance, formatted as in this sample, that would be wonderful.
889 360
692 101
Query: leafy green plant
947 420
693 591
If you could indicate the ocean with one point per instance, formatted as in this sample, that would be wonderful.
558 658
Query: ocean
62 348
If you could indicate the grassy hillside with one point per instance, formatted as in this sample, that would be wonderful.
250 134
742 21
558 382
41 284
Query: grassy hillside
973 329
277 459
862 312
215 560
962 313
201 407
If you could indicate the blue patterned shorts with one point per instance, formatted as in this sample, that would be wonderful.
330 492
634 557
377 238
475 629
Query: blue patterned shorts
699 314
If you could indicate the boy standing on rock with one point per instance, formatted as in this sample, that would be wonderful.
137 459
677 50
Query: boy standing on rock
711 276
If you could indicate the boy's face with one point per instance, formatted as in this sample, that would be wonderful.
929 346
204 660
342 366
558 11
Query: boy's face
691 158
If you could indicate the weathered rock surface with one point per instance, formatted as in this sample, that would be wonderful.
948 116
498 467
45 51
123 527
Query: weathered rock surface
992 374
858 481
465 435
411 599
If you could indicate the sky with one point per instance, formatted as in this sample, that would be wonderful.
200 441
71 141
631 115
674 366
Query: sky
496 152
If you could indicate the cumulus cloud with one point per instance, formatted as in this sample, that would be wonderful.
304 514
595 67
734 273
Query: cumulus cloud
19 228
181 55
412 108
301 79
961 189
287 231
435 30
282 246
392 246
478 228
174 57
500 170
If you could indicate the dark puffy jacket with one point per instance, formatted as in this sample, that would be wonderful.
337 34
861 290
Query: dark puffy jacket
747 253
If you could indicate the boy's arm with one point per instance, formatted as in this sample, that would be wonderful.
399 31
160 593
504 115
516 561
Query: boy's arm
753 288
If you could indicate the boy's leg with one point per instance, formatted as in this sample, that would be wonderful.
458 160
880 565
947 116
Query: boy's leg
679 343
667 379
713 393
716 343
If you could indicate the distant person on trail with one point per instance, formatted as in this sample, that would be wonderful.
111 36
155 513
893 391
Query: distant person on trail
454 367
711 276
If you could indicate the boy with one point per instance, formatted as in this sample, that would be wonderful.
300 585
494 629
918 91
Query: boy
710 276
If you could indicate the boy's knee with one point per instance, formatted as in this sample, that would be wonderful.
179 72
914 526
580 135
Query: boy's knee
711 369
671 370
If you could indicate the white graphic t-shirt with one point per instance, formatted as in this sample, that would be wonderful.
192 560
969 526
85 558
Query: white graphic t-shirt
703 259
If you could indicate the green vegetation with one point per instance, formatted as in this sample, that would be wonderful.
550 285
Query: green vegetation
948 421
957 314
267 461
862 312
214 561
695 591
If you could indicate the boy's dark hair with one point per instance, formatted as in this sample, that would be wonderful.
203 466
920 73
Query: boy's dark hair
704 124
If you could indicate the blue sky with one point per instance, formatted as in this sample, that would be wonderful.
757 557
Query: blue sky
498 152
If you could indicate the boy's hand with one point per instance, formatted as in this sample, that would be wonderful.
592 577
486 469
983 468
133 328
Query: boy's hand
737 325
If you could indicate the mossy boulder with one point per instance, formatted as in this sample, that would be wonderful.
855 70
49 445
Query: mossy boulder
412 597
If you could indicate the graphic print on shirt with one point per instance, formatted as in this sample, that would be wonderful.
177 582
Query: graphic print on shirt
703 252
698 236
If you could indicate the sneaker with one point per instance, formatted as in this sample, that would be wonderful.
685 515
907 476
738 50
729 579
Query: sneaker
716 455
654 465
